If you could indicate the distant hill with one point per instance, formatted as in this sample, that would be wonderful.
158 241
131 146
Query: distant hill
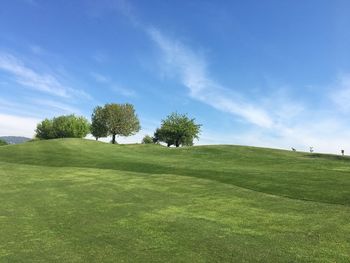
14 139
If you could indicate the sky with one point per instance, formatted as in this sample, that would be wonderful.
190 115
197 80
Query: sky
263 73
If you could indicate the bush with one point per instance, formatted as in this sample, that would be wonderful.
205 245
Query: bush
147 140
68 126
2 142
177 129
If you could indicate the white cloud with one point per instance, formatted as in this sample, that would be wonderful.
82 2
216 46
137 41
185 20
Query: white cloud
30 78
278 121
191 69
43 82
13 125
62 107
37 108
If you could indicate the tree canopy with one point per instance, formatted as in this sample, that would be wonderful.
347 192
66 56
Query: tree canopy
99 127
66 126
121 119
177 129
2 142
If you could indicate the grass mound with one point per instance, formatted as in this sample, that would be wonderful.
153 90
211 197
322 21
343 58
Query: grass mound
76 200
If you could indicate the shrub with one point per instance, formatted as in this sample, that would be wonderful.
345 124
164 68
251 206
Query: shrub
67 126
147 140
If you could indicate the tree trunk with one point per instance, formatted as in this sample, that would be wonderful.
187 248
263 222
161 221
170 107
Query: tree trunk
177 144
168 144
96 138
113 138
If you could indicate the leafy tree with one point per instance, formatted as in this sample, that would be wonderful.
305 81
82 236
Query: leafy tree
147 140
68 126
2 142
163 135
121 119
98 123
177 129
44 130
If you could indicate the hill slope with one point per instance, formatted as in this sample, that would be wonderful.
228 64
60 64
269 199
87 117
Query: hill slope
77 200
322 178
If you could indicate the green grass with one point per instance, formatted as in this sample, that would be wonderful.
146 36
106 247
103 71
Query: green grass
83 201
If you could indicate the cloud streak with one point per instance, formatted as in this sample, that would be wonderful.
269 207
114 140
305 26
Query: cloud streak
280 123
112 85
61 107
35 80
192 71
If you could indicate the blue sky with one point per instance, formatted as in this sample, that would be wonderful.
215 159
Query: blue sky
264 73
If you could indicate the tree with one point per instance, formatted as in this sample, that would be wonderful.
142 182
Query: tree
98 123
147 140
2 142
121 119
44 130
177 129
67 126
163 135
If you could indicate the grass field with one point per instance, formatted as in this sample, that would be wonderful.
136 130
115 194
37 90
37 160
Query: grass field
76 200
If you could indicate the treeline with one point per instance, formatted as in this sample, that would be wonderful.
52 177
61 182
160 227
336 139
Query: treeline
119 120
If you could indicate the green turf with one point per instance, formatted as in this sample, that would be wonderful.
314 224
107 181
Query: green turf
84 201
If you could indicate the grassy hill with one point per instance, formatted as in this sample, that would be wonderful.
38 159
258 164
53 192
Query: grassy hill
84 201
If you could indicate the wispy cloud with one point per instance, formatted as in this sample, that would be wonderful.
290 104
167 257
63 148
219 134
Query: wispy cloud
100 78
277 120
37 49
40 81
100 57
102 7
123 91
38 108
192 71
55 105
30 78
112 85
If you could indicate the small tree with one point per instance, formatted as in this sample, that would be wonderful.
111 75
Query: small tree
177 129
98 123
147 140
68 126
121 119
